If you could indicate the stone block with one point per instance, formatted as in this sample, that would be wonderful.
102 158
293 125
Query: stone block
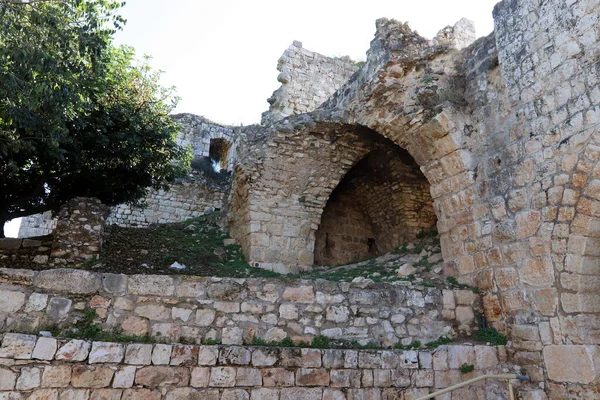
8 379
30 378
184 355
58 308
71 281
232 336
234 356
44 394
106 394
571 363
310 358
17 345
200 377
162 376
74 394
266 394
344 378
222 377
11 301
248 377
115 284
301 393
138 354
142 394
277 377
56 376
208 355
104 352
44 349
312 377
161 354
36 302
124 377
91 377
265 357
302 294
151 285
134 326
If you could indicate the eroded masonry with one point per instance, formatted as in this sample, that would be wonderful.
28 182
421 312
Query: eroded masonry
494 142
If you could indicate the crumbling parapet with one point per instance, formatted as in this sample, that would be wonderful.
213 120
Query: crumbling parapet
307 80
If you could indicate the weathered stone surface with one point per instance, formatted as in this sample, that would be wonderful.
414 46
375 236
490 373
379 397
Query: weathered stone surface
141 394
91 377
138 354
8 379
58 308
44 349
74 350
570 363
222 377
16 345
73 281
36 302
151 285
162 376
184 355
124 377
103 352
56 376
11 301
161 354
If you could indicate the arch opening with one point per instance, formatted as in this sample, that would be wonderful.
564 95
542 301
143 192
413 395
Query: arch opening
381 203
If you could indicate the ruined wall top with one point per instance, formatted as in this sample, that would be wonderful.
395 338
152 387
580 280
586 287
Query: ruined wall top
307 80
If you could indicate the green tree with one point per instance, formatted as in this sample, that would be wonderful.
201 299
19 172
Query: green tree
77 116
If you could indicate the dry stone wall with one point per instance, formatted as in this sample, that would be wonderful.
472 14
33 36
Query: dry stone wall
37 225
185 199
307 80
234 311
47 368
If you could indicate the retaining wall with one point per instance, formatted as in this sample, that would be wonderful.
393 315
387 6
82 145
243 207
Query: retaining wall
233 311
47 368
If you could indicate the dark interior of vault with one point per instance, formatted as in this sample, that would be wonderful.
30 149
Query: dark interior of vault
381 203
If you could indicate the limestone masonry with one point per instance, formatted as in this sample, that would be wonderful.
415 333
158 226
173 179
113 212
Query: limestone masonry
495 142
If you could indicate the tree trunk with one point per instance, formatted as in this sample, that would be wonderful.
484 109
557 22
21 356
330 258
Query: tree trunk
2 222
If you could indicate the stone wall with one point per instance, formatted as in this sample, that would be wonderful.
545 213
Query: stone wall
79 232
234 311
185 199
37 225
307 80
197 132
47 368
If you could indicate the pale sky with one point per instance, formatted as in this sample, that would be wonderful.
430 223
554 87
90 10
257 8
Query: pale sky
222 54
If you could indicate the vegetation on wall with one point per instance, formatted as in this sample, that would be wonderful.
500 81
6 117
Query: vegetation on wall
77 117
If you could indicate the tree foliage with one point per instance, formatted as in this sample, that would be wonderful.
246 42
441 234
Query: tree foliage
77 117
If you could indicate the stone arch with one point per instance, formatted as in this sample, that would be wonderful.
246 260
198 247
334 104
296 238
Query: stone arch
381 203
281 188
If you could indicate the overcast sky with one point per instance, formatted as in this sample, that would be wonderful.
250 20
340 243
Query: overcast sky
222 54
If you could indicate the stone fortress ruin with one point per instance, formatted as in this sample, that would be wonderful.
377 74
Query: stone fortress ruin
494 142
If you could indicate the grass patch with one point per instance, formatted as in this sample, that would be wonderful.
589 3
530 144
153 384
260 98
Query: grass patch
196 243
443 340
466 368
490 335
87 329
